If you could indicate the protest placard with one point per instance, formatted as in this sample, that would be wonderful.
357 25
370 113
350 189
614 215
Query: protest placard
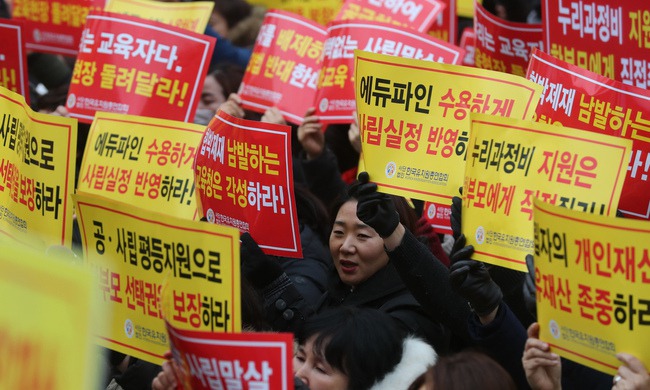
502 45
285 63
244 178
612 40
414 120
592 275
224 360
511 162
37 162
13 58
582 99
193 16
54 26
412 14
48 313
128 65
133 251
335 98
142 161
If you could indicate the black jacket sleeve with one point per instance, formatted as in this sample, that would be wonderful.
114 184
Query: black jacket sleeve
428 280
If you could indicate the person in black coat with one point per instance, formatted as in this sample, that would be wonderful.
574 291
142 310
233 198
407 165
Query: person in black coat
363 258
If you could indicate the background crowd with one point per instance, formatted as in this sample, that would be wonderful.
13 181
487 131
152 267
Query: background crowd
379 300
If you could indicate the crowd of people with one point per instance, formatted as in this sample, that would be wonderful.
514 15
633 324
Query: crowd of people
379 299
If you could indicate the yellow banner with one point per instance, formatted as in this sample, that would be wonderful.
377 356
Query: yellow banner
320 11
465 8
193 16
37 161
593 285
146 162
414 119
510 162
132 251
48 310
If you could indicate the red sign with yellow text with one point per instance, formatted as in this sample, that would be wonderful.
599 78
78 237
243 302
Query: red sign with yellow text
611 39
54 26
244 178
233 360
445 26
502 45
285 63
335 97
416 14
129 65
578 98
13 59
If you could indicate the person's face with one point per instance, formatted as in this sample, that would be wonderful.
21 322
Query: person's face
357 250
212 94
219 24
314 370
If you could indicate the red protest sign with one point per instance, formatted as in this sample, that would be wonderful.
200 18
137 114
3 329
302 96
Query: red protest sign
129 65
244 361
285 63
612 40
438 216
502 45
244 178
335 97
445 25
575 97
468 42
415 14
54 26
13 59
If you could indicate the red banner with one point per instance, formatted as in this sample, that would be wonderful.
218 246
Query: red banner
244 178
129 65
245 361
445 26
609 38
438 216
285 63
13 58
575 97
416 14
54 26
502 45
335 97
468 42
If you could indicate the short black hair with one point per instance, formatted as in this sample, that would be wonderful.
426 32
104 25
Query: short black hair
365 344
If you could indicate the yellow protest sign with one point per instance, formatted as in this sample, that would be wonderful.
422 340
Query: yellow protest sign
593 285
414 119
320 11
193 16
132 251
465 8
48 311
146 162
37 160
510 162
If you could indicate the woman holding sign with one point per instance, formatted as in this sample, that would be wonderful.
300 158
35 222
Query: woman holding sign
366 243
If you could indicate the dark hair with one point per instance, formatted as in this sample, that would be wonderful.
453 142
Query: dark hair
229 76
233 11
252 311
469 370
312 212
365 344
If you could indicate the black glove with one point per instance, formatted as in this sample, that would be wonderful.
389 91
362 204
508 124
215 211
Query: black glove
257 268
375 209
471 279
529 286
456 207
